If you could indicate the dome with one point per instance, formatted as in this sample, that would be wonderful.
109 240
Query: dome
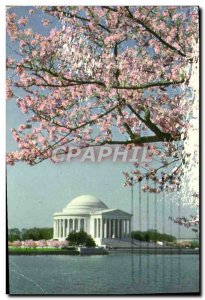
84 204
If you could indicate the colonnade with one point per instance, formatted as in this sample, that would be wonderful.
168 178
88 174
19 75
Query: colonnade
112 228
62 227
99 227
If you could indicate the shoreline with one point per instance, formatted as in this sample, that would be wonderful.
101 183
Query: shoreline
165 251
168 251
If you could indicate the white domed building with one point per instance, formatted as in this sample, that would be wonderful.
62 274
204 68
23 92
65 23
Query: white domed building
93 216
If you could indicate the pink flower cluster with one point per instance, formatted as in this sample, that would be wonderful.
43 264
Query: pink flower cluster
9 92
39 244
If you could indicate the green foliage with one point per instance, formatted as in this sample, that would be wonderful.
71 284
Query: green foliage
152 235
14 234
34 234
194 244
90 242
80 238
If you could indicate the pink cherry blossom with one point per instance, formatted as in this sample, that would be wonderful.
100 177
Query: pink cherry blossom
45 22
23 21
16 244
9 92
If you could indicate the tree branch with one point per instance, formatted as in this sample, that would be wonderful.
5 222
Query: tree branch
148 85
150 30
90 122
69 14
160 135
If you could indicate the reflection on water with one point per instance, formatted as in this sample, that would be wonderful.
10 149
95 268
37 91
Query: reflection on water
110 274
163 269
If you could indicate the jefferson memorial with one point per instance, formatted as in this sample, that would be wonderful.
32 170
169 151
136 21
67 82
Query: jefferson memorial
93 216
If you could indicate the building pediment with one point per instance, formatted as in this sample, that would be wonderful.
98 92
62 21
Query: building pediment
112 212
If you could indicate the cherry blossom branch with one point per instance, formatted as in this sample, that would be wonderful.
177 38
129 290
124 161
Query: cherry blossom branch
160 136
149 85
90 122
150 30
75 16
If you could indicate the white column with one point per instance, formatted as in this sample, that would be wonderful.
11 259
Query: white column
99 228
68 226
59 228
125 228
56 228
57 221
63 228
105 228
114 228
110 235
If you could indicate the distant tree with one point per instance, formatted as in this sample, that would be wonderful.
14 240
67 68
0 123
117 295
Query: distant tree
138 235
152 235
37 234
14 234
80 238
147 238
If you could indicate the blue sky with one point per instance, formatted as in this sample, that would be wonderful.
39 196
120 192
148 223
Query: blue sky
36 193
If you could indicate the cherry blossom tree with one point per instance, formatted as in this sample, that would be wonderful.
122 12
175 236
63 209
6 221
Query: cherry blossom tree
62 244
29 244
106 75
41 243
53 243
15 244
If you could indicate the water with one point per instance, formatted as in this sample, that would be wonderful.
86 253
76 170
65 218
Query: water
110 274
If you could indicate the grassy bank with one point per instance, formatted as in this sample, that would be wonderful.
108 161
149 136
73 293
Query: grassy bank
41 251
